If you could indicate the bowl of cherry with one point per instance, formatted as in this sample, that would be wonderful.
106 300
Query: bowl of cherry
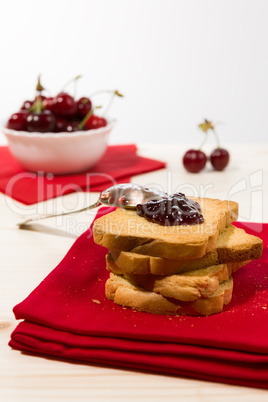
57 134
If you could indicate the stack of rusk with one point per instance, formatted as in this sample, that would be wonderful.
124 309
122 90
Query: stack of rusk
179 270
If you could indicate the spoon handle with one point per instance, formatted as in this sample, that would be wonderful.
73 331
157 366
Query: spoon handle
35 218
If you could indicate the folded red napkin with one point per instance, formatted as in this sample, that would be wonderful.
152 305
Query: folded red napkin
119 164
68 316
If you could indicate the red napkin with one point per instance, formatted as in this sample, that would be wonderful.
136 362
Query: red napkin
67 316
118 165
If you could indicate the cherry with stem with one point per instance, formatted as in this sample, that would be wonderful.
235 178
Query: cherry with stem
195 160
219 157
40 120
84 121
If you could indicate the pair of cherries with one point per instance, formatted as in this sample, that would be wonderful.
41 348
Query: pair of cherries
195 160
61 113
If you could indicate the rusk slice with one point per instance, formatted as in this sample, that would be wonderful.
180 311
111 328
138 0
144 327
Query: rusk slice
233 245
126 231
126 294
188 286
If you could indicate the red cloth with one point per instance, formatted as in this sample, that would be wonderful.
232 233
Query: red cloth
118 165
67 316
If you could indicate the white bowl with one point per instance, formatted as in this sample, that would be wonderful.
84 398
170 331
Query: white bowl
58 153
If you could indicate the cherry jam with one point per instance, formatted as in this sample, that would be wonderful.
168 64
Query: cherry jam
172 211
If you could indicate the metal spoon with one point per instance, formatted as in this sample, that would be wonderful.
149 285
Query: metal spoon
121 195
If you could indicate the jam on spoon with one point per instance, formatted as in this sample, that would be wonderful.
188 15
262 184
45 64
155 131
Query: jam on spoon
129 195
120 195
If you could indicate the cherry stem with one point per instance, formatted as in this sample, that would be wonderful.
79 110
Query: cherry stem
102 91
39 104
114 94
39 87
203 142
109 105
70 81
87 116
217 138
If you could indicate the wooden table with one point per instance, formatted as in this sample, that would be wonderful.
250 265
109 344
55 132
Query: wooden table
27 256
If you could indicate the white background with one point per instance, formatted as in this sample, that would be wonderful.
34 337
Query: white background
176 61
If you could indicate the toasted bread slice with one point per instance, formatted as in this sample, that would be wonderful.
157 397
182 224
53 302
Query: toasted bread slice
127 231
187 286
126 294
233 245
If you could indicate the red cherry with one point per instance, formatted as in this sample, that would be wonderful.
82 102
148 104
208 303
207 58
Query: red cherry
63 125
194 160
48 104
95 122
17 121
219 158
26 105
72 126
84 105
41 122
64 105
